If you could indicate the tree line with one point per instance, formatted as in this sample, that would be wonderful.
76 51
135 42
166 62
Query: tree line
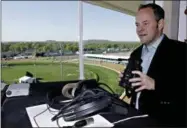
19 47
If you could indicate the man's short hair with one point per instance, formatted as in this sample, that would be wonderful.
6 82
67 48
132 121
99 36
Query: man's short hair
158 11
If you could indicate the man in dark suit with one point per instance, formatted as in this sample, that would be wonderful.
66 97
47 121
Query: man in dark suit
160 89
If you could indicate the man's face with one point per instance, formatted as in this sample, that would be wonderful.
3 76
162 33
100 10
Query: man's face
146 26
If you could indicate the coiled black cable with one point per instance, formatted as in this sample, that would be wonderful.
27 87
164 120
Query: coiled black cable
79 98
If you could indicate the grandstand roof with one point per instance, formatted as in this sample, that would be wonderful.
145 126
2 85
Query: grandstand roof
127 7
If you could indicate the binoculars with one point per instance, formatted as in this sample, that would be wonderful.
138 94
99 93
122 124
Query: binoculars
133 64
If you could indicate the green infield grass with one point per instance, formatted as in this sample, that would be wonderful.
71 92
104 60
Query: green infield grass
56 72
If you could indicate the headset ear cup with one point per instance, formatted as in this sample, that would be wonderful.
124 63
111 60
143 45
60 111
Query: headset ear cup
66 90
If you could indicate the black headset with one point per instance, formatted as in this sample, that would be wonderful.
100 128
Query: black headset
88 100
86 106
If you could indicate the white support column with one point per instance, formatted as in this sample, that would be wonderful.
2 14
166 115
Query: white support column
160 2
147 1
1 22
81 58
171 18
186 22
182 22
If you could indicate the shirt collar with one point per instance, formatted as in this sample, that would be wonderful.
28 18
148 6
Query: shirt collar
154 44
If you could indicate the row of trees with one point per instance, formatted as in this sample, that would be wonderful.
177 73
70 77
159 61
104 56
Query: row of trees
65 46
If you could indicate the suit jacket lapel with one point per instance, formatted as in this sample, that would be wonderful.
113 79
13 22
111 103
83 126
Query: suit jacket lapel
136 55
157 55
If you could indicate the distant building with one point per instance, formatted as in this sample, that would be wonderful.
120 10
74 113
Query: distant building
8 54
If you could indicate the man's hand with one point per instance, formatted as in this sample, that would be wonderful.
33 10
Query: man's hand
143 81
